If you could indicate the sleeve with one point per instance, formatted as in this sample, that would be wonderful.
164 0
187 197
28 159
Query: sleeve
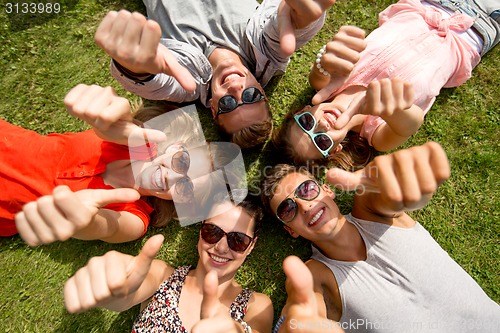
369 127
139 208
263 32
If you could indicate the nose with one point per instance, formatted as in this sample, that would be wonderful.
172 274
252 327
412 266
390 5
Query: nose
322 126
235 89
221 246
303 206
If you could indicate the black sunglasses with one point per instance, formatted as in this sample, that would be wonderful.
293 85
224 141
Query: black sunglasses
249 96
287 209
237 241
322 141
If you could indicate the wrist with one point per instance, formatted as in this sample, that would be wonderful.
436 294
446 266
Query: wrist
138 77
318 66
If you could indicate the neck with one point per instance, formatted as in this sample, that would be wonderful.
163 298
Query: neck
221 54
346 245
118 174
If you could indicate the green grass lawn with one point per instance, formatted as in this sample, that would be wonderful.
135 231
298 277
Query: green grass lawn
43 56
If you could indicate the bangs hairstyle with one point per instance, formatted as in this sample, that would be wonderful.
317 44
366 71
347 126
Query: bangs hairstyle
356 153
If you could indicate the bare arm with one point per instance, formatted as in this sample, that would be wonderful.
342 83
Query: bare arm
117 281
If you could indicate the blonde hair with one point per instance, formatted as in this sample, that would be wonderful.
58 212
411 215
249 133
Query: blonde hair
180 127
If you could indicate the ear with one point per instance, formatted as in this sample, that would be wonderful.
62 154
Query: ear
213 109
328 191
337 150
250 248
291 232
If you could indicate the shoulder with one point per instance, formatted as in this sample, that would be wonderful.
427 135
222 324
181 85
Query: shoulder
320 272
259 299
260 312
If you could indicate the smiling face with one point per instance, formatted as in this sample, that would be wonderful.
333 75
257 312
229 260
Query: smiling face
219 256
316 219
232 78
174 174
325 115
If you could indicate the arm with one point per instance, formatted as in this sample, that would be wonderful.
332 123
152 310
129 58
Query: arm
392 184
109 115
305 303
134 43
117 281
259 313
66 214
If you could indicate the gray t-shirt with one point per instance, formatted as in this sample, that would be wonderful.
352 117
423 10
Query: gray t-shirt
408 283
191 29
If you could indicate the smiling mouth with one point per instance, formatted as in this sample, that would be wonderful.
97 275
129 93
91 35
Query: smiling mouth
218 259
158 180
230 77
316 217
330 117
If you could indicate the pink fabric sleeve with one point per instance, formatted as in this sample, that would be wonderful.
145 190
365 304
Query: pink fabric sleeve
369 127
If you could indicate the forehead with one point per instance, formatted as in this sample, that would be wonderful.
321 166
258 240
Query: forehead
233 219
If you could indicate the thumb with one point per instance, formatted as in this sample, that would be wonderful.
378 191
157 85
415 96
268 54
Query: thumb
323 94
353 109
142 262
299 281
210 303
350 181
287 32
180 73
104 197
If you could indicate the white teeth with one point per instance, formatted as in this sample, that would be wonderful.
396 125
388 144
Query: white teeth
218 259
230 77
317 216
158 181
331 118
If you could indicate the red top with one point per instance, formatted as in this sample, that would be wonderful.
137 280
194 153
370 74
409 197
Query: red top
32 165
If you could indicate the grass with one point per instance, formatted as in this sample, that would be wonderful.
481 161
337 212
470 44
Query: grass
44 56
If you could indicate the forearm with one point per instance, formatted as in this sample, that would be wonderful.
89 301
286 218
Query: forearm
317 80
112 227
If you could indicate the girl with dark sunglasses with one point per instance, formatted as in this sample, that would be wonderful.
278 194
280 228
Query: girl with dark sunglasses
112 178
177 294
381 87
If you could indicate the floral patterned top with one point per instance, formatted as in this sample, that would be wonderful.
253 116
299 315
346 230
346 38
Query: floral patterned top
162 313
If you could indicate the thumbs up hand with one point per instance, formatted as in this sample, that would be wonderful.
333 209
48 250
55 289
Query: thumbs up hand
60 215
110 278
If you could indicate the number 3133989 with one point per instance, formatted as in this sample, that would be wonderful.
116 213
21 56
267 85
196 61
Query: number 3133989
32 8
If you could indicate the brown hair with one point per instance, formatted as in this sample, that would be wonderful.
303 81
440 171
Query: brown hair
273 178
255 134
355 154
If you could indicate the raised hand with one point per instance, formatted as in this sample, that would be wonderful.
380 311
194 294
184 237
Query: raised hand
405 179
214 317
341 54
386 98
108 114
109 278
134 42
298 14
302 303
59 216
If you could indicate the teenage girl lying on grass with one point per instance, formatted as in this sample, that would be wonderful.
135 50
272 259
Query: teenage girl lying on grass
102 183
373 93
